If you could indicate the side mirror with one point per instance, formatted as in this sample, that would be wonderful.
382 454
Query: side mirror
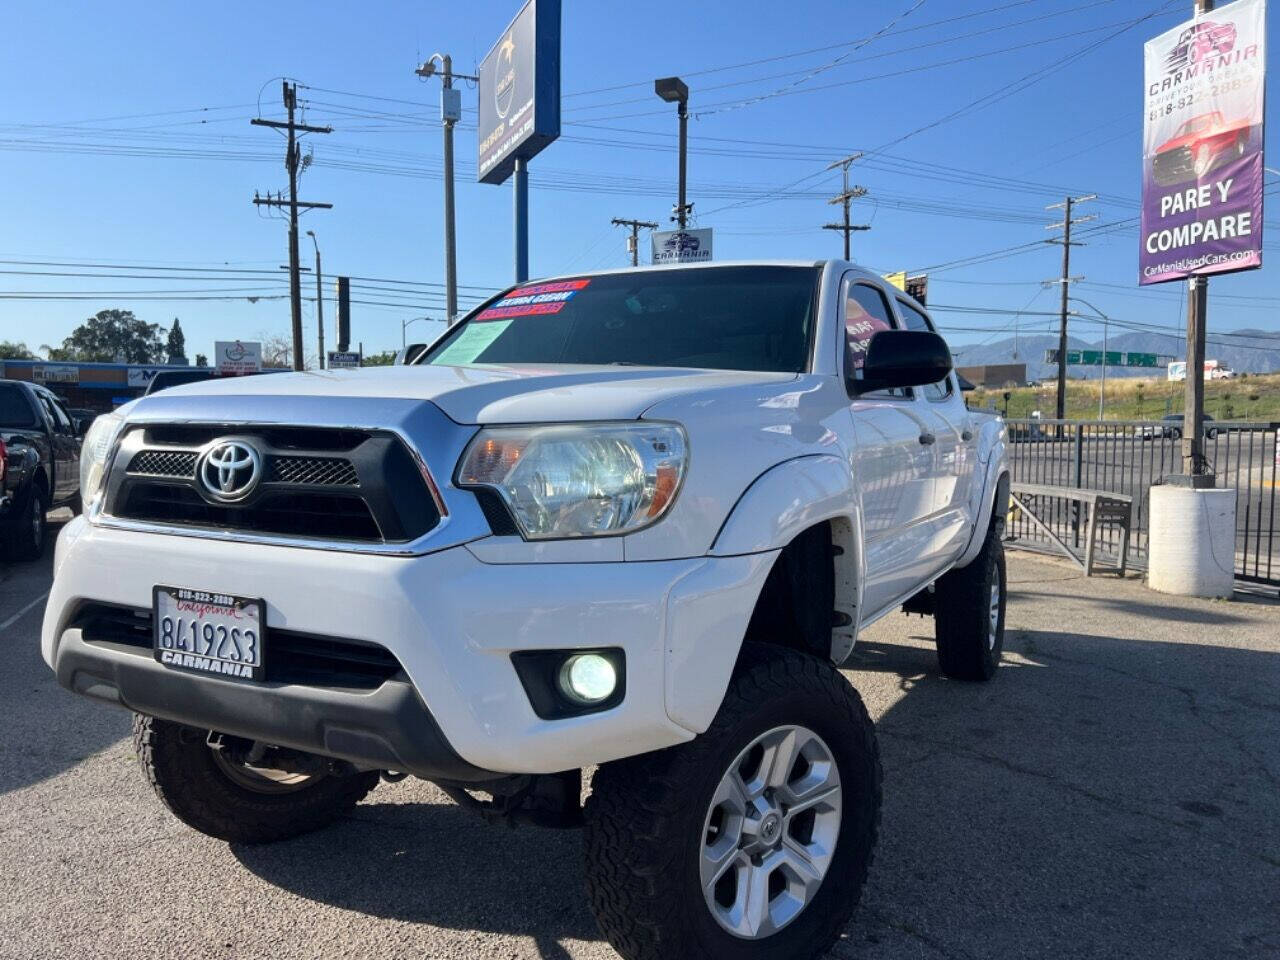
411 353
903 358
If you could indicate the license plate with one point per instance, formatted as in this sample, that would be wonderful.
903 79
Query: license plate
207 632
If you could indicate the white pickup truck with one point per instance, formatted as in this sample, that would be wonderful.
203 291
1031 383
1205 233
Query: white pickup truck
627 521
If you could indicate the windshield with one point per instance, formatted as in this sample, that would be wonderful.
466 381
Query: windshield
724 318
15 412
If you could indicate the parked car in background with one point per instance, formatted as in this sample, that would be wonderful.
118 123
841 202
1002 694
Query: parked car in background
42 452
1170 428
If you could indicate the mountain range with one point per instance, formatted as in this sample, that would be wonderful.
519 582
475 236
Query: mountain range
1244 351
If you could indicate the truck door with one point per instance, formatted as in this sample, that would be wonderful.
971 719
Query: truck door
955 451
892 460
65 448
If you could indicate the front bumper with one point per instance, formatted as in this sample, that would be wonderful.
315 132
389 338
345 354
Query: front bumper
458 711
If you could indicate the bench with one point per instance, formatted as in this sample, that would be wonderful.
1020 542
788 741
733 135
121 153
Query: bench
1104 509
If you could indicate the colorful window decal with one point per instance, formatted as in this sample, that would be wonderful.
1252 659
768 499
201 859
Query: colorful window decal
535 300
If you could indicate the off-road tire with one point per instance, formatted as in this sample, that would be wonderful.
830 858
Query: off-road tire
182 770
26 537
962 624
646 816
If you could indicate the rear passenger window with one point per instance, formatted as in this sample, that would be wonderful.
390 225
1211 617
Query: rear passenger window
866 312
915 320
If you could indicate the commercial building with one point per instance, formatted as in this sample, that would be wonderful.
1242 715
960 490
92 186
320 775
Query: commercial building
91 386
995 375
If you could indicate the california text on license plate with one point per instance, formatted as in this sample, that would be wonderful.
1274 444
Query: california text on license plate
208 632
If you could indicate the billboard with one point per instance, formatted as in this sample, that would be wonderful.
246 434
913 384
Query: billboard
235 357
520 91
682 246
1202 145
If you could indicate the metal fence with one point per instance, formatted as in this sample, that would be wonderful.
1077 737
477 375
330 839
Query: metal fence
1128 456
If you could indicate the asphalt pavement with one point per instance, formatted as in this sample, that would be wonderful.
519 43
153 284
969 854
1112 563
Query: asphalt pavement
1114 792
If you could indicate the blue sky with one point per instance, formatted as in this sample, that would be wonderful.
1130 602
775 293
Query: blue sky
126 142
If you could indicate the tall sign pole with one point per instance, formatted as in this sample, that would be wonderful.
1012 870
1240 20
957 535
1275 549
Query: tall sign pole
519 111
450 113
1193 460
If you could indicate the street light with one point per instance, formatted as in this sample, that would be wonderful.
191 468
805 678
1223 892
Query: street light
404 325
674 90
1102 389
319 301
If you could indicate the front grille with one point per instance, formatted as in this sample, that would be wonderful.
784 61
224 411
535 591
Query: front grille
164 463
1173 166
291 657
317 471
292 514
357 486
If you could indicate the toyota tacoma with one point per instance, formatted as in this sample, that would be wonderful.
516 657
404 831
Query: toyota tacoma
628 523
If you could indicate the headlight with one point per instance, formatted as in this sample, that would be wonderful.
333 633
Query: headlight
579 480
93 457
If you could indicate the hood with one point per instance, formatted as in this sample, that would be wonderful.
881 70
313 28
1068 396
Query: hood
525 393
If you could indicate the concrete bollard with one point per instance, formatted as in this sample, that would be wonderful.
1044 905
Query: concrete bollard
1192 543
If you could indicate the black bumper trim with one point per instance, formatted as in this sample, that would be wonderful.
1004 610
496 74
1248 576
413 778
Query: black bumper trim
389 728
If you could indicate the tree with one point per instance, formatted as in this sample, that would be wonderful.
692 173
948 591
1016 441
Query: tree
13 350
113 335
384 359
277 351
177 341
201 360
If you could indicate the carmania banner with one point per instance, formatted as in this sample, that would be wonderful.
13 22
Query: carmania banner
1202 145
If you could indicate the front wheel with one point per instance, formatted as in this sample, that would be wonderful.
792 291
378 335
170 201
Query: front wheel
231 801
751 842
969 617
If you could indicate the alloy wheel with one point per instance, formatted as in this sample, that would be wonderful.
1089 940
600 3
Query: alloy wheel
770 833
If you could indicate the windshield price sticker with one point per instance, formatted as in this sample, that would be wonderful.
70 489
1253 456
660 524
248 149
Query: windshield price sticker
537 300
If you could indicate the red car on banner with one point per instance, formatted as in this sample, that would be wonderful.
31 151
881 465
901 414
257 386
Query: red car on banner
1200 145
1199 41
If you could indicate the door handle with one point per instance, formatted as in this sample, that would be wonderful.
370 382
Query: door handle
927 438
966 436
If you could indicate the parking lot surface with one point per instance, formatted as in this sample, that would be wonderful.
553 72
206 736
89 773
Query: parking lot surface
1114 792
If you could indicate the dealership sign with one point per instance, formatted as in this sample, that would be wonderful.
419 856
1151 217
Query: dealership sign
520 91
56 374
141 377
236 357
682 246
1202 145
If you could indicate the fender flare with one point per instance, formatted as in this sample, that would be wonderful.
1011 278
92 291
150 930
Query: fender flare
786 500
994 503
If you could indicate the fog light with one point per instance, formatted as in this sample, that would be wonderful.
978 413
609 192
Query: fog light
588 678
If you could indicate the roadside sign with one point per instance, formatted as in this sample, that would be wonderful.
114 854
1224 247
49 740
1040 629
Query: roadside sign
141 377
237 357
69 373
519 111
1202 145
916 286
1141 360
682 246
343 359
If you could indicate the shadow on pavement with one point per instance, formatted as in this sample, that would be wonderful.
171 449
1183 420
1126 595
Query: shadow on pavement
1102 797
46 729
439 865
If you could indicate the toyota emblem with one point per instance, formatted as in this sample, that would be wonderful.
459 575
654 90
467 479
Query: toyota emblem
229 470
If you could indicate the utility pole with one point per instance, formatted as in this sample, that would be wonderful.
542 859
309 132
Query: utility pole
633 241
293 163
1067 243
450 113
319 301
1194 465
846 195
674 90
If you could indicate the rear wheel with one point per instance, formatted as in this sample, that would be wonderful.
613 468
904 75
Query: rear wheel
28 534
751 842
224 798
969 617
